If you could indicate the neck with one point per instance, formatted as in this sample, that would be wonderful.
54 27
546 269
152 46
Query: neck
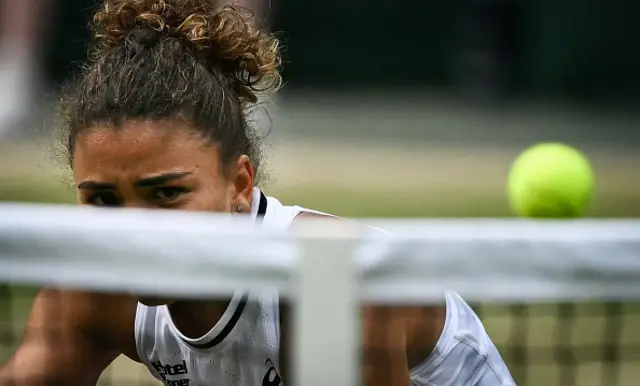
194 318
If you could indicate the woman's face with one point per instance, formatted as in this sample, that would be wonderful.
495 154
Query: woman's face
157 165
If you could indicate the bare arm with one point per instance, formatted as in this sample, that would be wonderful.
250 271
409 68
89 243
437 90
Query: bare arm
384 342
397 338
64 343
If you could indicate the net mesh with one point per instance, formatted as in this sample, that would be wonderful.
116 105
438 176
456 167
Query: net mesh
594 343
560 300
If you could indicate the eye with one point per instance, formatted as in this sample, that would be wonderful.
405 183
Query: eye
168 193
105 199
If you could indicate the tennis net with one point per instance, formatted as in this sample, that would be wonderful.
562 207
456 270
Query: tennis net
559 299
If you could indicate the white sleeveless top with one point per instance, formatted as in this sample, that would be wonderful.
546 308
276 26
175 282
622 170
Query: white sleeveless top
242 349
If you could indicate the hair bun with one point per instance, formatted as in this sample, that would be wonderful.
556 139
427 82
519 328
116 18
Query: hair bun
141 38
224 37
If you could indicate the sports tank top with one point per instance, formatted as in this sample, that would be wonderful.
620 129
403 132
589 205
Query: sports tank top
242 349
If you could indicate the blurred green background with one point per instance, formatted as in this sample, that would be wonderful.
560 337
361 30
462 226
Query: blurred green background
411 110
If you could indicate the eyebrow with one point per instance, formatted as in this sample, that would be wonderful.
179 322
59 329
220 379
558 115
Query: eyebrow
143 182
161 179
93 185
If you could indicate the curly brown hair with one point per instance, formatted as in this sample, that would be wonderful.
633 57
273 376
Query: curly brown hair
162 59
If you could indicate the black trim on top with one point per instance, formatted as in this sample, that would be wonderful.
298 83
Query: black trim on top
227 328
262 207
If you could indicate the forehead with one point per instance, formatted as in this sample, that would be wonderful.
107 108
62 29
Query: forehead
140 148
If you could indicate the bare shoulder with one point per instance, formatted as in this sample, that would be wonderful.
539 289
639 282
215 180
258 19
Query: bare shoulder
397 338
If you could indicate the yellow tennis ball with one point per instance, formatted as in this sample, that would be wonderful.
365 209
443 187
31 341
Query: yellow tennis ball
550 180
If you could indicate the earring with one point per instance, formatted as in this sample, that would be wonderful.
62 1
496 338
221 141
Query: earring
239 209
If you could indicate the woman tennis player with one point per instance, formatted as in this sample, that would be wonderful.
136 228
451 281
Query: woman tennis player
158 120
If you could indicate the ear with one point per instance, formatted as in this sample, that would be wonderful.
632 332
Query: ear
243 178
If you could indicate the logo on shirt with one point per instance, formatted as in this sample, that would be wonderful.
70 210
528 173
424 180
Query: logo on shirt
271 378
171 374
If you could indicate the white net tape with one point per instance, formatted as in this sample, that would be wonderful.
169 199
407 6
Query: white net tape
206 254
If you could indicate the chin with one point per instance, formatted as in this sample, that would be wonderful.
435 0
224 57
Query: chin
154 301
